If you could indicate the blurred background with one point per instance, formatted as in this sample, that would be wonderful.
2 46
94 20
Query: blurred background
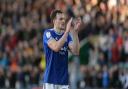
103 60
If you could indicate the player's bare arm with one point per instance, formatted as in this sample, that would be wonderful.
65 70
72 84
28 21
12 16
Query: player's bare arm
75 45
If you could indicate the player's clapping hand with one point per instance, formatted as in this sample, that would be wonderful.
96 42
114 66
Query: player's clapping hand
77 24
69 25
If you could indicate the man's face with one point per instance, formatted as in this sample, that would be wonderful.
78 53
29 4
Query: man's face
101 21
59 21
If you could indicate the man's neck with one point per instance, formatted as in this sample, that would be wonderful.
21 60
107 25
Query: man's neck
58 30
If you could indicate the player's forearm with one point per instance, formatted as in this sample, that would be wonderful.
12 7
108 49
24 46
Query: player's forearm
76 44
61 42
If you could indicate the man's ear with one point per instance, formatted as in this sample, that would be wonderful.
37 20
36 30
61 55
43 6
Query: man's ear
53 21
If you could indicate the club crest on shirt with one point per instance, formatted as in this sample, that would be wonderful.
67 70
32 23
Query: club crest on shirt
48 34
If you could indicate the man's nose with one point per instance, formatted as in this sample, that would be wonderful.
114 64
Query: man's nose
63 20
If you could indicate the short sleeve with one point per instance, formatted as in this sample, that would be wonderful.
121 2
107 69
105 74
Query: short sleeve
70 39
47 37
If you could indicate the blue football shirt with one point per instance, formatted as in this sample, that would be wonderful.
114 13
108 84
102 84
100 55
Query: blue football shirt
56 71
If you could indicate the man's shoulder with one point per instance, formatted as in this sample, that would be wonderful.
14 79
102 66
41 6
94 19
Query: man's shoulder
48 30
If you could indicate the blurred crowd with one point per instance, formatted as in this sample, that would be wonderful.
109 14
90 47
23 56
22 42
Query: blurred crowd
105 26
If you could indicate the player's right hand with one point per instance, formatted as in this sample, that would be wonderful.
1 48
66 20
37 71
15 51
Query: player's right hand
69 25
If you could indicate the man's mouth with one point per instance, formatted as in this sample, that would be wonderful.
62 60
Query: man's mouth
63 24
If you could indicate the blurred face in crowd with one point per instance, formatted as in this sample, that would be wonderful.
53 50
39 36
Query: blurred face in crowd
126 24
59 21
100 21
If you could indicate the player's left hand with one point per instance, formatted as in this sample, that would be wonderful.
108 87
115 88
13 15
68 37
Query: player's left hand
77 24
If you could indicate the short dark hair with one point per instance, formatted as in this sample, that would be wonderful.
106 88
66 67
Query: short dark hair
54 13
